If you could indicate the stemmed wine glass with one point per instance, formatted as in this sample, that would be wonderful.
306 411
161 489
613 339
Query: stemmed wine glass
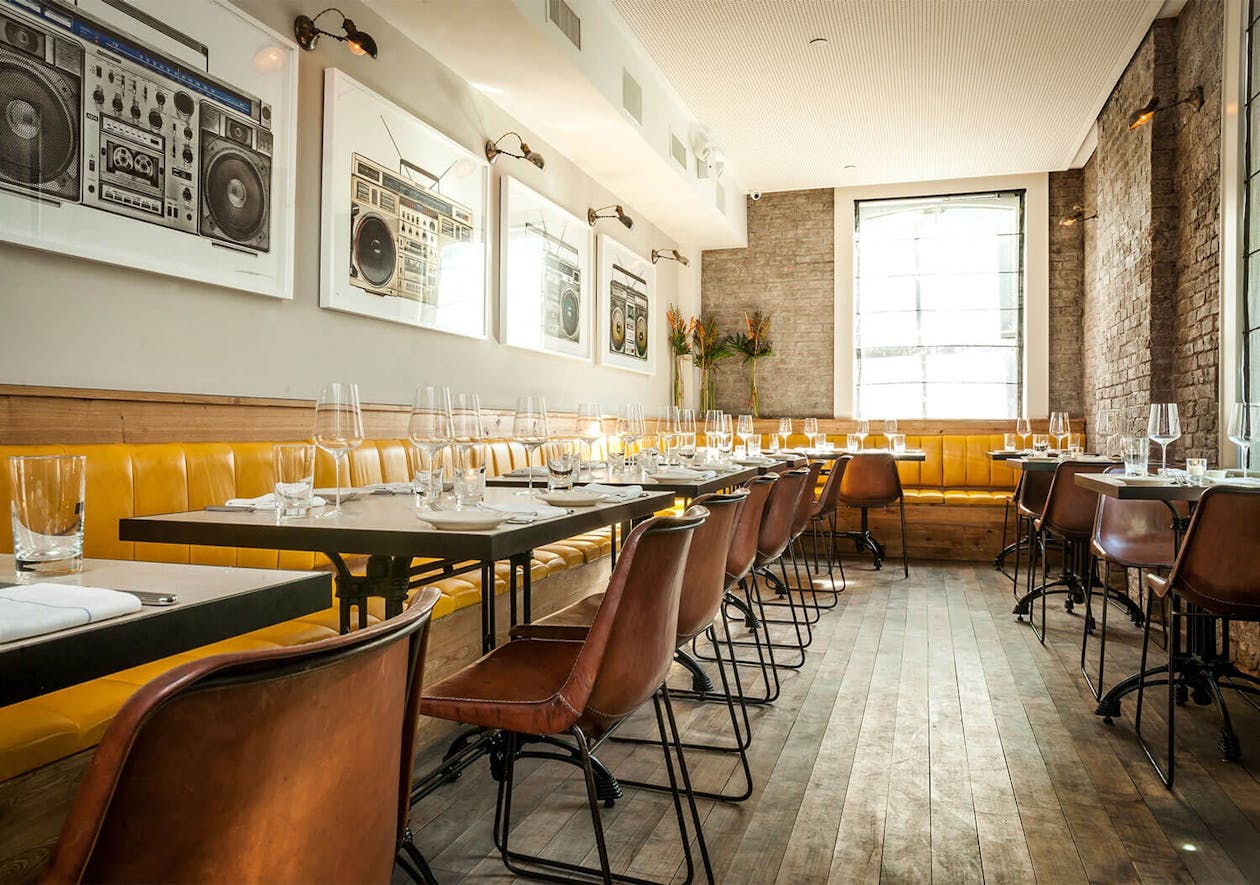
1163 427
590 428
1023 429
530 428
890 427
630 427
468 434
785 431
338 427
863 430
1244 426
810 429
687 433
712 429
430 431
1060 428
1106 430
667 432
726 438
744 430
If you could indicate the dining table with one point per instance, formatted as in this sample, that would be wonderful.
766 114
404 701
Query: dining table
836 454
210 603
687 488
390 531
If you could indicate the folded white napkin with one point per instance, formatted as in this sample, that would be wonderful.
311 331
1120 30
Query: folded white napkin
684 473
268 502
616 493
1236 481
391 488
528 471
535 509
36 609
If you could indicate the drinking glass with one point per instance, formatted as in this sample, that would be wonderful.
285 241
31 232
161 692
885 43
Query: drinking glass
1106 430
590 428
897 442
561 455
429 428
1023 428
616 452
1137 454
1163 427
338 427
667 434
687 433
1060 427
295 479
744 429
890 427
1040 443
852 443
468 434
785 431
47 512
1244 426
649 451
863 430
726 438
1074 447
1008 442
530 428
712 427
1196 469
810 429
752 445
630 427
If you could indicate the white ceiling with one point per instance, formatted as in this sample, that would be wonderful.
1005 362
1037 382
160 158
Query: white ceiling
905 90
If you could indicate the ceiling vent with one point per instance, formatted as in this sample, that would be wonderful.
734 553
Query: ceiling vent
561 14
677 150
631 96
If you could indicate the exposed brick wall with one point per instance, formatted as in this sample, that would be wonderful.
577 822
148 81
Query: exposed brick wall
788 268
1067 292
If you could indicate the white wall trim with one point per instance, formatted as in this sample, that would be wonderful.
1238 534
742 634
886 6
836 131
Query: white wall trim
1036 278
1231 257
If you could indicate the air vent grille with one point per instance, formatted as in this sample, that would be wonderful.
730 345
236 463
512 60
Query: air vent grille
677 150
632 96
561 14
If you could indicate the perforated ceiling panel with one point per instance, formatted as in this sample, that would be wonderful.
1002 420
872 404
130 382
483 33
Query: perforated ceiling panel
904 90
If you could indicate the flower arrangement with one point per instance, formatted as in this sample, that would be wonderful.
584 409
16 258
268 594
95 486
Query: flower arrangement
754 344
708 348
680 330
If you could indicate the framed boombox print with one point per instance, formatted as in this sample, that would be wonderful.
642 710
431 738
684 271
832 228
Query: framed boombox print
403 217
626 294
150 134
545 274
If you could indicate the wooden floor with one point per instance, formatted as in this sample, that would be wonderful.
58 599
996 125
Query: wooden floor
929 737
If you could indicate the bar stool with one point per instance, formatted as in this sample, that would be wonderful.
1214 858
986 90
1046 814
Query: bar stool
1131 535
328 725
824 512
772 543
871 480
532 688
1215 576
1030 503
1069 518
800 522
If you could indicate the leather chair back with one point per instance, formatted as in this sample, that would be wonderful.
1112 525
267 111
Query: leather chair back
805 503
286 764
1031 494
1216 569
1135 534
776 522
630 645
870 480
1069 511
829 497
704 578
743 552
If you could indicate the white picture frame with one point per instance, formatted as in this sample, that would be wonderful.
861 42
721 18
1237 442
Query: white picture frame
545 286
394 186
627 337
173 140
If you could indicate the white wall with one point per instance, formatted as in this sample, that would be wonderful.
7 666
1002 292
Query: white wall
72 323
1036 279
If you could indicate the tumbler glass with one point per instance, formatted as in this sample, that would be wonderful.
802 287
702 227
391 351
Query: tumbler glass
295 479
1137 454
47 510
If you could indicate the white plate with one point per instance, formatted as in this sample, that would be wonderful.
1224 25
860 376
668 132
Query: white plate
330 495
464 520
573 498
755 462
675 476
1145 480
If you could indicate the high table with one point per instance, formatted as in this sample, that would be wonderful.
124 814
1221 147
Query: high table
390 531
214 603
685 488
837 454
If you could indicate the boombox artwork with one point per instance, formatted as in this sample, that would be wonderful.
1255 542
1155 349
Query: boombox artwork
628 314
96 117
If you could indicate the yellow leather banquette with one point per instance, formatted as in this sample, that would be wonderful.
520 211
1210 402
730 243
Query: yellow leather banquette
135 480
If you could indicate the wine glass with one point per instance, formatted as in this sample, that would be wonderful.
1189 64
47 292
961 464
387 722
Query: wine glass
890 427
338 427
1244 425
590 427
726 438
1163 427
468 434
1023 429
744 429
630 427
1105 429
1060 427
667 432
429 428
712 428
687 433
785 431
530 428
810 428
863 431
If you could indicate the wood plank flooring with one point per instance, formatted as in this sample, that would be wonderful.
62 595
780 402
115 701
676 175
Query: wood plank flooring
928 738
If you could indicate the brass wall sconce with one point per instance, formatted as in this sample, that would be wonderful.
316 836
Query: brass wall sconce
594 215
670 255
308 33
493 151
1146 113
1077 216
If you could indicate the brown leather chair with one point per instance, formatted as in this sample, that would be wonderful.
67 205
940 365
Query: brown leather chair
704 583
1129 535
823 522
796 550
871 480
1030 503
280 765
547 687
772 542
1214 580
1069 518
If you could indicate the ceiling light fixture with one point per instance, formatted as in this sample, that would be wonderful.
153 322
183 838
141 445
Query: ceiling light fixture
1076 216
493 150
818 42
1144 114
670 255
308 33
594 215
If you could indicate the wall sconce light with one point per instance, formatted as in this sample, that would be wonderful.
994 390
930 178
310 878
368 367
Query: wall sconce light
594 215
1076 216
493 150
1143 115
670 255
308 34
